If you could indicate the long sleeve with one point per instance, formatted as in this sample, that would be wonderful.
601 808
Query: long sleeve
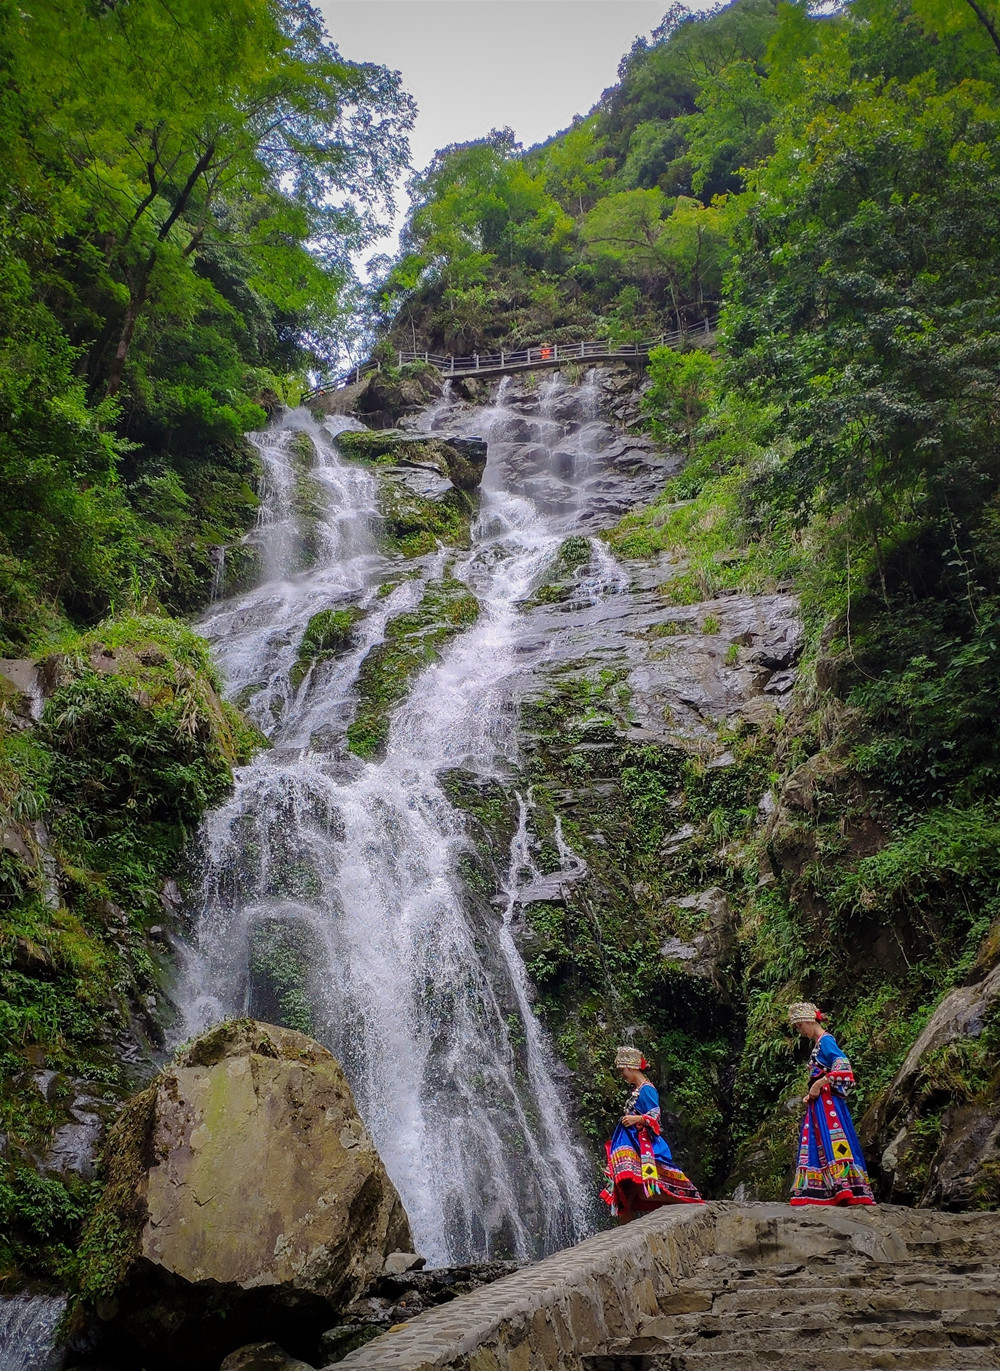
832 1063
648 1105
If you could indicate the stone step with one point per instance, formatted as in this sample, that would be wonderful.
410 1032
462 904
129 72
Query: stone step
668 1328
716 1276
761 1299
809 1333
777 1356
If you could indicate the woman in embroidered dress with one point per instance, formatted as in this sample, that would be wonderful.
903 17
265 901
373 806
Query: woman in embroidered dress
641 1172
831 1166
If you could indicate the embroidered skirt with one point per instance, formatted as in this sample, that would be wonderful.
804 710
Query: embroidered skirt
627 1192
831 1167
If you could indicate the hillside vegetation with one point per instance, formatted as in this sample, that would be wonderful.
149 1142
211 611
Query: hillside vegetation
181 187
833 185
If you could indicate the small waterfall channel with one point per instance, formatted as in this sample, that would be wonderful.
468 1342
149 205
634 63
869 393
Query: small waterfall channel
27 1333
421 994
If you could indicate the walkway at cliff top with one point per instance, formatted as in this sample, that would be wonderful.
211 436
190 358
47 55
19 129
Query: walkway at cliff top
725 1285
507 362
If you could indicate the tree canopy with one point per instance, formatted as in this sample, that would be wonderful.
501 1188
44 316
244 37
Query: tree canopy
183 186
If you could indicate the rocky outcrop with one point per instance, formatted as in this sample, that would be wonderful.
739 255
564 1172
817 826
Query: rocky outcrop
955 1164
244 1199
709 951
402 1293
427 485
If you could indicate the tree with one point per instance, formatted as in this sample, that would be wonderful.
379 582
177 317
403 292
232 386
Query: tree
680 253
478 202
572 170
203 121
624 229
181 186
683 386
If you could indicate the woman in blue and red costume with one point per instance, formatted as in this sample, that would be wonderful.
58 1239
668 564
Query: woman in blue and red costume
641 1172
831 1166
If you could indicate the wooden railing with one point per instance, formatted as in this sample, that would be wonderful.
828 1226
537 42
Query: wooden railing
523 359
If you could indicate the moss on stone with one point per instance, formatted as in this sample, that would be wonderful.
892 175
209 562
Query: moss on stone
327 634
574 552
102 794
111 1240
414 525
412 641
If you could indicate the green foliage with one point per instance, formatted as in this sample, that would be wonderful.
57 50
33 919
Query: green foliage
723 539
181 190
683 387
281 954
327 633
40 1221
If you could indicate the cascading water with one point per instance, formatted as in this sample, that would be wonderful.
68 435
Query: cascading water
27 1333
421 994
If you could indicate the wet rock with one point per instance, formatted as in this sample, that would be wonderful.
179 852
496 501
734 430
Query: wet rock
414 455
708 954
425 481
397 1263
393 1299
252 1198
75 1143
170 895
22 692
262 1356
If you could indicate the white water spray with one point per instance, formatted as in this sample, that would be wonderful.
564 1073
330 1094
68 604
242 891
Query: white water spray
417 986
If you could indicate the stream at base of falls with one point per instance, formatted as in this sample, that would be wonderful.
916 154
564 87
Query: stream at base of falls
417 987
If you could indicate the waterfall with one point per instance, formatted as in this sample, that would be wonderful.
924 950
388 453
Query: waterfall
418 989
27 1333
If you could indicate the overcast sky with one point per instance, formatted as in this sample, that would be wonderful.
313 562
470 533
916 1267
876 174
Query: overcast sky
473 65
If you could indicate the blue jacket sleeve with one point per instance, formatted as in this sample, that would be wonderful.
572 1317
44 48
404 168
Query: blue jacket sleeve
649 1102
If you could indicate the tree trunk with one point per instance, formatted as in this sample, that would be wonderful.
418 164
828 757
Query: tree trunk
138 292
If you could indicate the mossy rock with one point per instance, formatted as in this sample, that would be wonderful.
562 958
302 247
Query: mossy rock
134 744
414 525
574 552
328 633
461 460
412 641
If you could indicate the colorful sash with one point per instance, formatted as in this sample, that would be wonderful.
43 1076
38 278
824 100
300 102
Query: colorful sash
647 1161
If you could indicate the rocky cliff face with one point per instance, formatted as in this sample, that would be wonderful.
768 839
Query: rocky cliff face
244 1198
691 820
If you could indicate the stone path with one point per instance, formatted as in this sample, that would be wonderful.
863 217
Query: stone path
731 1286
935 1307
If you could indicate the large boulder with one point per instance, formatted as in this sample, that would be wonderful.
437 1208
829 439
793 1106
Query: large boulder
244 1200
934 1132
